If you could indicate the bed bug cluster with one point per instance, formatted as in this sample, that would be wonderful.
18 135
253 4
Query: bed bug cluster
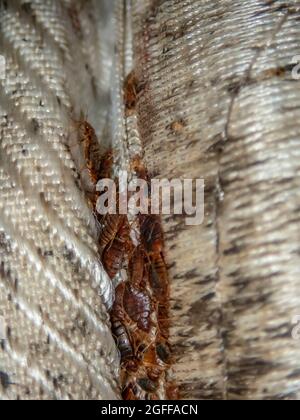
140 314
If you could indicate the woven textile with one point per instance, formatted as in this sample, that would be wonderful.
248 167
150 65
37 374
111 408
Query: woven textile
54 294
220 104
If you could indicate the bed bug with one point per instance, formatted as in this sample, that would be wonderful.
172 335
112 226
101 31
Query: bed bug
120 331
147 384
137 268
159 282
138 167
106 163
163 352
138 307
119 311
130 92
114 255
173 392
122 340
139 387
177 126
92 152
163 320
133 309
159 276
111 224
153 365
87 139
130 393
151 233
75 20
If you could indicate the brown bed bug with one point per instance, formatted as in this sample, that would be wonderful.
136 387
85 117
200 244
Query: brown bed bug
87 139
138 272
138 167
163 352
114 256
138 307
74 12
140 314
92 152
147 385
130 92
125 339
132 88
151 233
177 127
111 224
159 279
173 393
106 163
130 393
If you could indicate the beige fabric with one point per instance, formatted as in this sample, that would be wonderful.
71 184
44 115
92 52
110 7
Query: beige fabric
222 70
54 294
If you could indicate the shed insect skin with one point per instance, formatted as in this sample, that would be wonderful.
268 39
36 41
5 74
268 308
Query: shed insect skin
153 365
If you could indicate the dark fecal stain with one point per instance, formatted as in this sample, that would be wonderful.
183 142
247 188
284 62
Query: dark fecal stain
35 125
27 8
8 333
234 250
234 88
2 345
5 380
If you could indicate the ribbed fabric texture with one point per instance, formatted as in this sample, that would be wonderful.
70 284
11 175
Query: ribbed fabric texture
217 102
220 104
56 341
